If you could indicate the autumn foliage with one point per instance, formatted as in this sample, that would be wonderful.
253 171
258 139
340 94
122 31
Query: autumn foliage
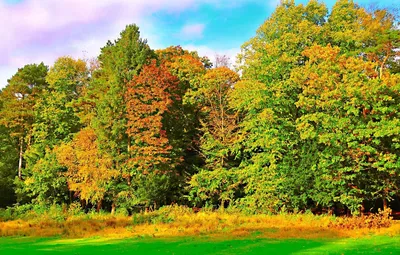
149 97
89 171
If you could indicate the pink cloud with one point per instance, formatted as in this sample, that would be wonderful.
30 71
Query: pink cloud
42 30
192 31
41 22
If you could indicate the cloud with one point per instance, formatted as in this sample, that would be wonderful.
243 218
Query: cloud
46 22
211 53
192 31
33 31
42 30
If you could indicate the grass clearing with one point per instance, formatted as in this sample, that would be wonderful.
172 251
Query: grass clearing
203 245
179 230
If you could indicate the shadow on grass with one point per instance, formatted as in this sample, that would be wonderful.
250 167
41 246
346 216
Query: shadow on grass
193 246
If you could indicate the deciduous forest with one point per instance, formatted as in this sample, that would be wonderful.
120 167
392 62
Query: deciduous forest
307 119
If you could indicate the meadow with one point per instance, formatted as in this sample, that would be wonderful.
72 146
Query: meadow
249 245
180 230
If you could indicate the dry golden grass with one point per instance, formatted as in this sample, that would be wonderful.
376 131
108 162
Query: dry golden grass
180 221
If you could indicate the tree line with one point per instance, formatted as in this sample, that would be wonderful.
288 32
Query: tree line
309 119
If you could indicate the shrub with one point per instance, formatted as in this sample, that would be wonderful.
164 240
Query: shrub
74 209
381 219
122 212
5 214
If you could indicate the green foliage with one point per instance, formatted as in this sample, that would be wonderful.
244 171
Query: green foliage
55 122
33 212
120 61
8 159
280 144
46 182
353 116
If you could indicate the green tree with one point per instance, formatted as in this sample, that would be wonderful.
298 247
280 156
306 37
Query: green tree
8 157
56 121
276 171
18 99
120 61
215 182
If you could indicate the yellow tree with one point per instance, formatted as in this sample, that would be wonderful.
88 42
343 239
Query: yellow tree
216 181
88 171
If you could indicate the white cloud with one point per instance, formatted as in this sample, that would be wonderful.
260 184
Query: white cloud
211 53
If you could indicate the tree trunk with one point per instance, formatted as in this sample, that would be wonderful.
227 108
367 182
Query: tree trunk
99 204
362 209
385 204
21 146
83 203
113 207
129 155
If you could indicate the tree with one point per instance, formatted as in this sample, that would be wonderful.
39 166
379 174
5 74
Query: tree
277 46
218 127
277 174
54 112
360 32
120 62
8 157
55 122
184 118
19 98
89 171
293 171
221 60
352 112
149 98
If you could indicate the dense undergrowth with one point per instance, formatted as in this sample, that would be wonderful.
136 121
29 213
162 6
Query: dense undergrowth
173 221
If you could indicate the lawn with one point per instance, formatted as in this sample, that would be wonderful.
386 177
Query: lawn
204 245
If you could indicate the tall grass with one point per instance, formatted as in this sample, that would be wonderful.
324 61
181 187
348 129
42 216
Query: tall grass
175 221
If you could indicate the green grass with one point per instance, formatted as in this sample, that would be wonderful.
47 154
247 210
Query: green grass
193 246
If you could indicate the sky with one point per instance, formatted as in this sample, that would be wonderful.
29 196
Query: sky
34 31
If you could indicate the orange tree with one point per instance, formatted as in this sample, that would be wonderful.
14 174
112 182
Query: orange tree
89 172
149 97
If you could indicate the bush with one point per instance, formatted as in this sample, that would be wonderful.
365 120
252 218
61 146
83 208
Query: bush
74 209
166 214
122 212
32 212
5 215
381 219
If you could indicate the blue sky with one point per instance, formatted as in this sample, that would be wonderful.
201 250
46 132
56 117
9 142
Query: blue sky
42 30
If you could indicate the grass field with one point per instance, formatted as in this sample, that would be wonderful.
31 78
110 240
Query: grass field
179 230
192 246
